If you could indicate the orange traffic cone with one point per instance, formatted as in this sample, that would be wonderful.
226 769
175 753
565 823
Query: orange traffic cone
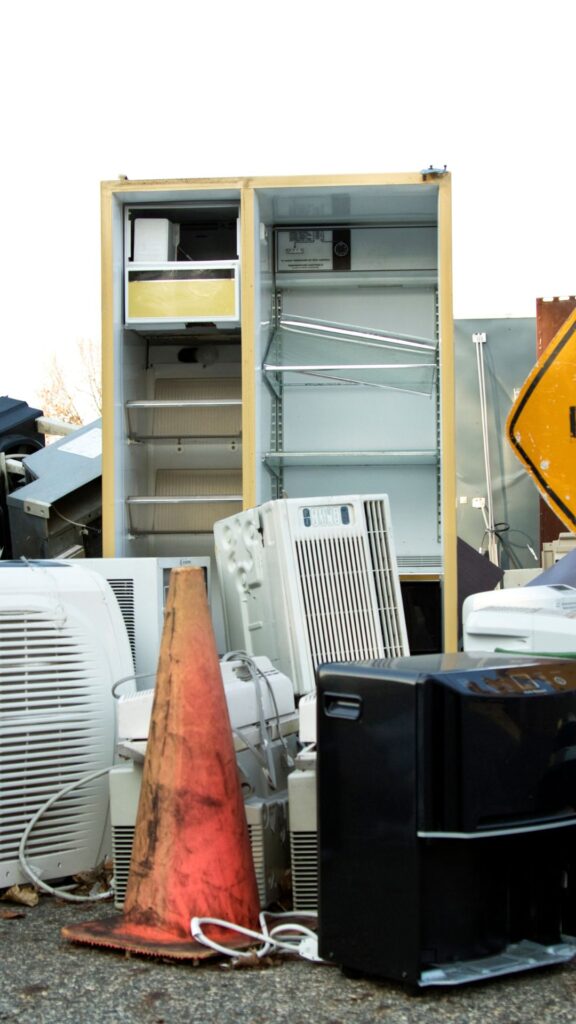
191 854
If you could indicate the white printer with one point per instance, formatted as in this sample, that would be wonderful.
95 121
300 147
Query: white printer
522 620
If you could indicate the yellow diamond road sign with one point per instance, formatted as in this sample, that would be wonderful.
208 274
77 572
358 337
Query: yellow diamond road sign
541 426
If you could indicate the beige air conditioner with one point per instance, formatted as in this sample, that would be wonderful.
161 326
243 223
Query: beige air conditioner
311 580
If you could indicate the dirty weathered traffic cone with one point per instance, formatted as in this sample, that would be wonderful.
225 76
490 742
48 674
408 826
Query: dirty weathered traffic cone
191 855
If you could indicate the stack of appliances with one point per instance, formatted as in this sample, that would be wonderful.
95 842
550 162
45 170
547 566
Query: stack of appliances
264 724
306 581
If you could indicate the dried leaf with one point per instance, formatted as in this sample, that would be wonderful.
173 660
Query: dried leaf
96 880
23 894
8 915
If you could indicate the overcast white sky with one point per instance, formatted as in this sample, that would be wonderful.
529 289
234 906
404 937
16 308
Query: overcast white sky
188 89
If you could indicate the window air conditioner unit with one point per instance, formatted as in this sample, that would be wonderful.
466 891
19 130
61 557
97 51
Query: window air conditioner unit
63 646
140 586
311 580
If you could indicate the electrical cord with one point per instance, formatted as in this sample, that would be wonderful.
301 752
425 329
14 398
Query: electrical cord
297 938
127 679
24 863
498 530
258 756
259 677
83 527
265 759
89 777
529 543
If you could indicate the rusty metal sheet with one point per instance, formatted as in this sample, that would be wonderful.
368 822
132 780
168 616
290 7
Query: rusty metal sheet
550 315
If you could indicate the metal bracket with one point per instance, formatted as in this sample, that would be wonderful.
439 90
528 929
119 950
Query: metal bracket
38 508
434 172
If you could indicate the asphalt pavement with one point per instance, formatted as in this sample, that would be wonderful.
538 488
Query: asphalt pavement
47 980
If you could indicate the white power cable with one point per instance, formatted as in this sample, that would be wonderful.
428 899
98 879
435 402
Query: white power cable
259 678
24 864
22 857
297 938
128 679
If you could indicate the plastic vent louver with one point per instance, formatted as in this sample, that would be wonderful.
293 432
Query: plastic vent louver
339 577
304 859
256 836
55 719
122 843
124 592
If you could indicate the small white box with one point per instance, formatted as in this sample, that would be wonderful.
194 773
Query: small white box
155 240
307 718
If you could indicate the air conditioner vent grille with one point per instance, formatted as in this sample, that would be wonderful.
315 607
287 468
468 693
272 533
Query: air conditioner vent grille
304 860
45 666
256 836
122 842
384 575
30 775
430 563
350 593
54 729
123 590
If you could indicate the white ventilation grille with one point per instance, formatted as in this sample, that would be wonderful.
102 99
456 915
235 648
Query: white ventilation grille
52 732
416 563
122 842
124 592
350 593
384 576
304 859
256 836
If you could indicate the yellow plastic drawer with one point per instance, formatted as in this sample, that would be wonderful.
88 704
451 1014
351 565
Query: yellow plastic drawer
181 292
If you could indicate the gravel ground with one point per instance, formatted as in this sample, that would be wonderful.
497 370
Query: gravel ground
45 980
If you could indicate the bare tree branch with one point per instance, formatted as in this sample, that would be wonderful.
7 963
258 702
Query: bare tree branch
60 395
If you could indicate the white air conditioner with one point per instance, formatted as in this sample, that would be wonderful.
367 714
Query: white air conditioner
63 646
260 704
266 818
521 620
307 581
303 817
141 587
